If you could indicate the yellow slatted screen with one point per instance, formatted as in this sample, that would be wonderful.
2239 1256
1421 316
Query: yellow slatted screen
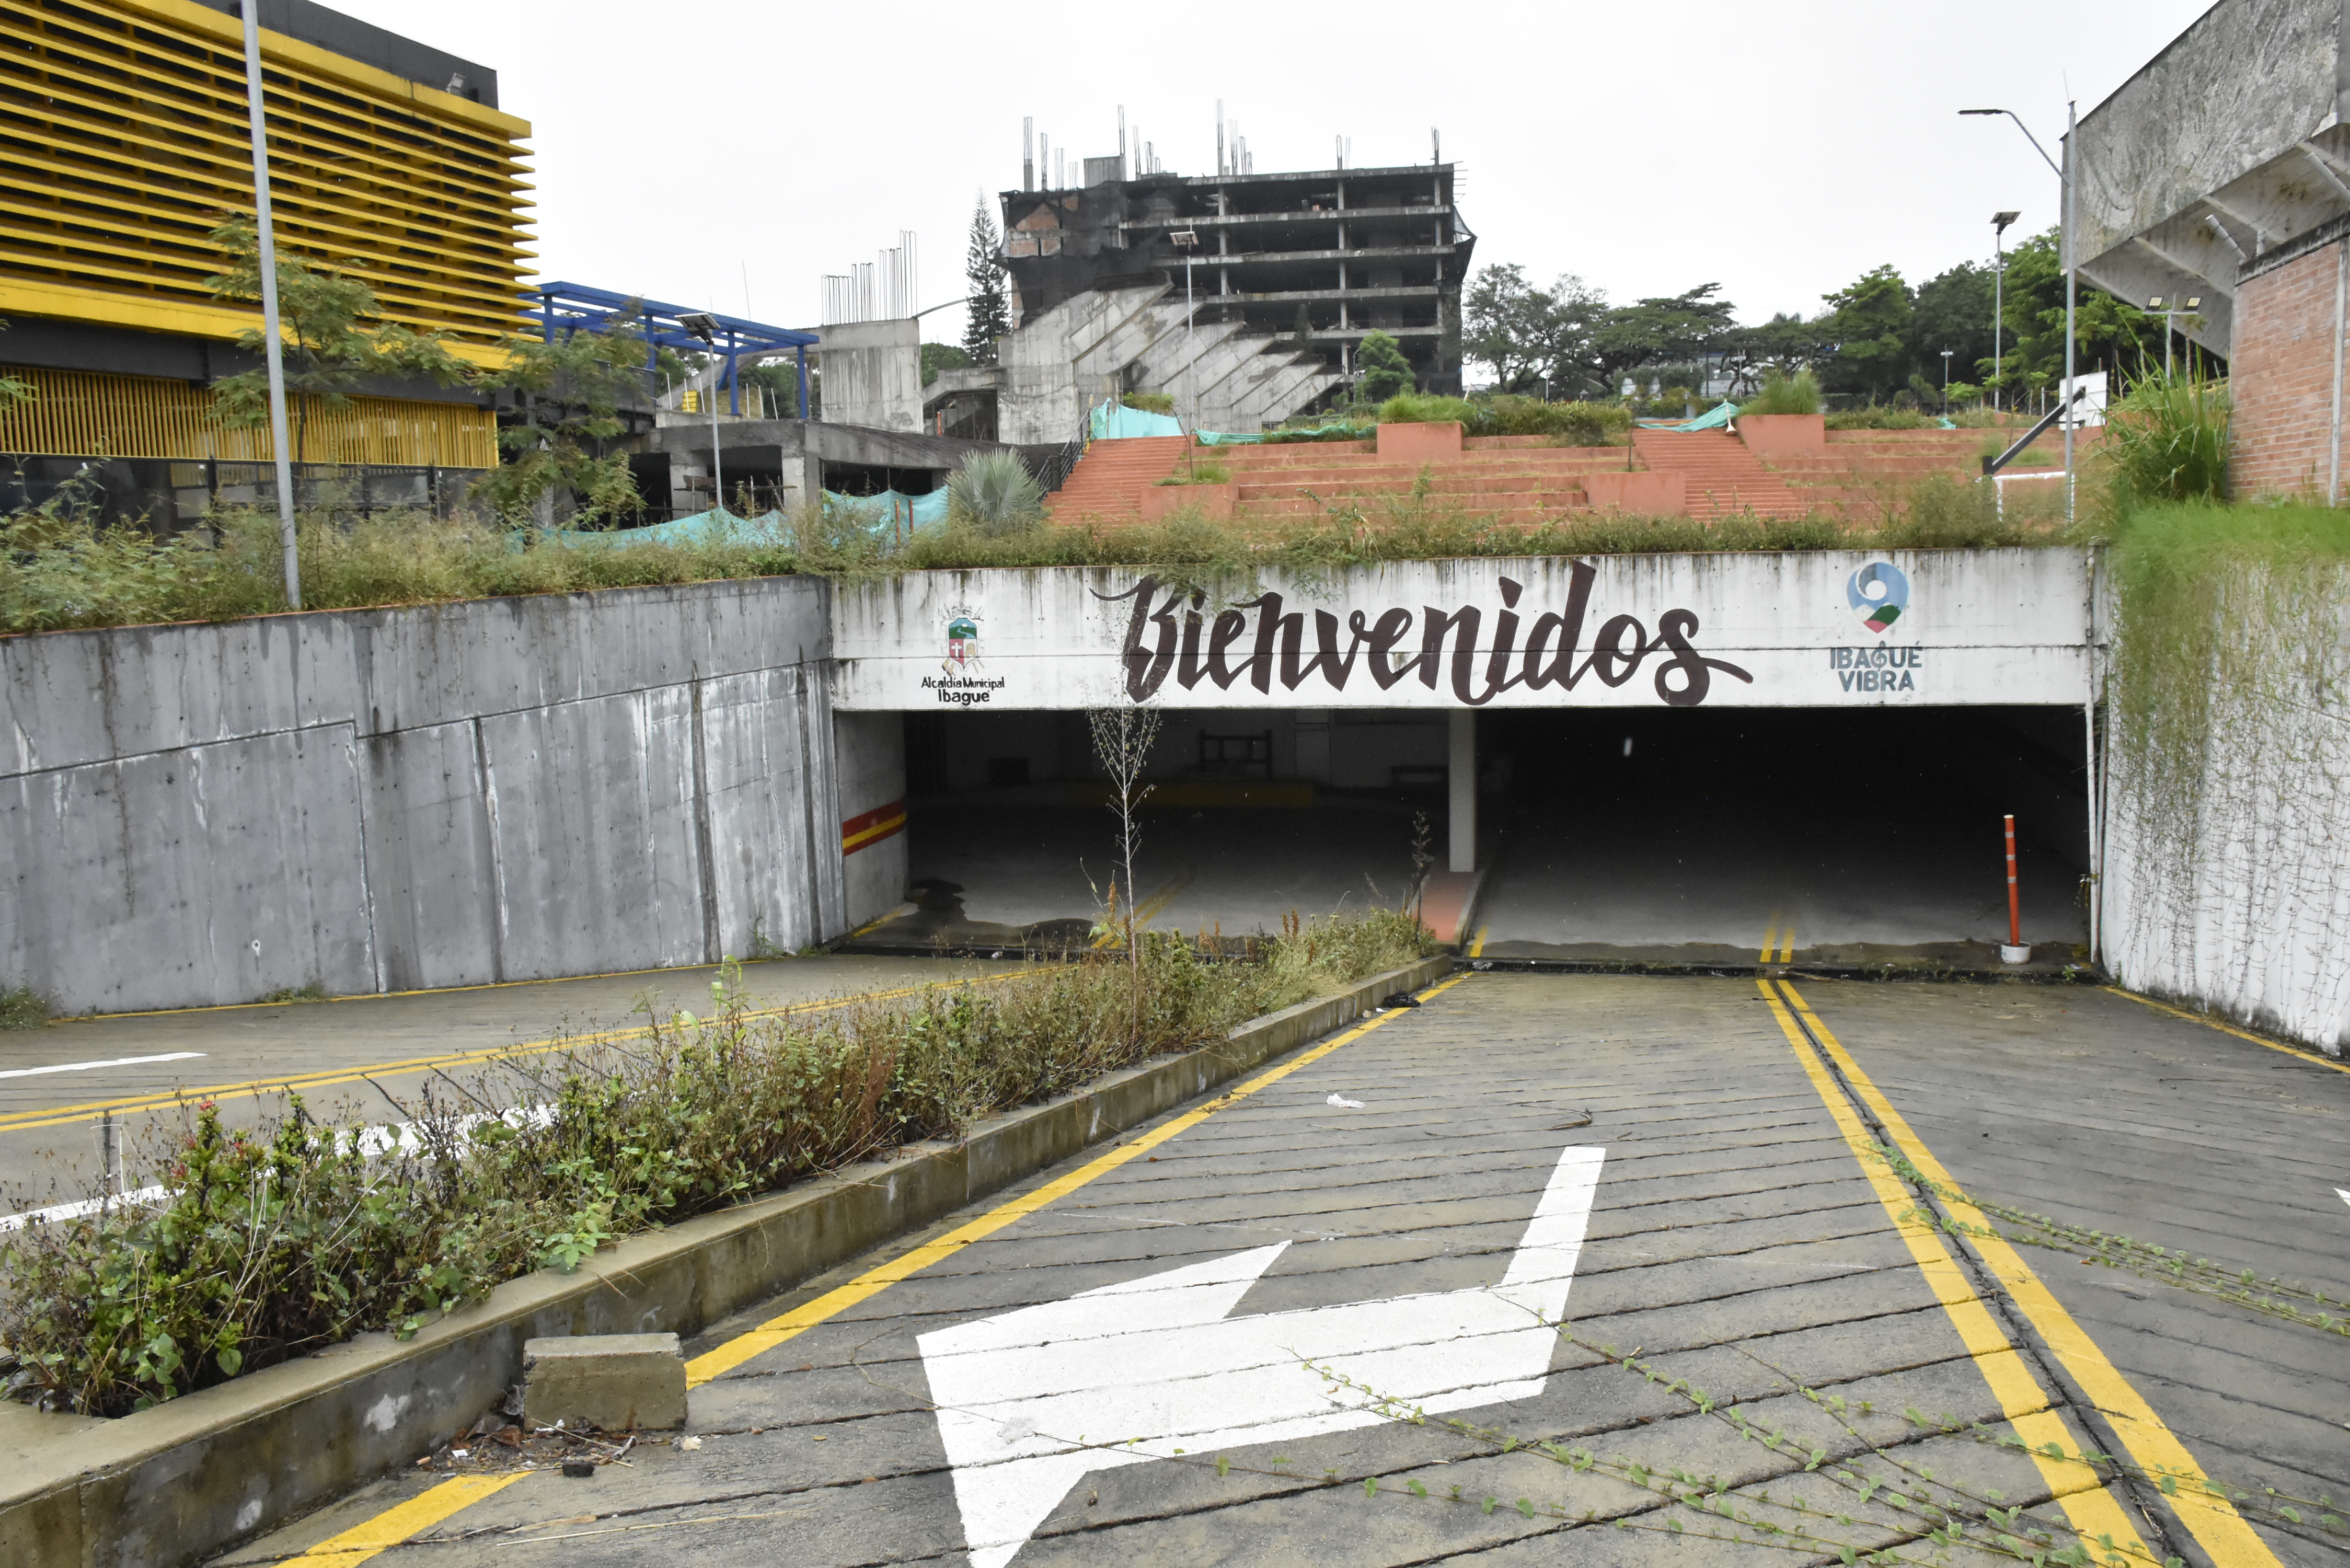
123 126
78 413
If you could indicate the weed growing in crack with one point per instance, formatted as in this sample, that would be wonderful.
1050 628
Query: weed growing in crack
2278 1298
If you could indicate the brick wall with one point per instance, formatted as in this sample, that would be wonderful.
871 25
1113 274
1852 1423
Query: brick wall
2282 371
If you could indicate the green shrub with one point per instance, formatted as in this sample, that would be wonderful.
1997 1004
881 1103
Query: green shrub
1199 473
2167 439
1782 395
301 1233
1286 437
1947 512
1427 409
994 494
22 1007
1580 424
1880 419
1151 403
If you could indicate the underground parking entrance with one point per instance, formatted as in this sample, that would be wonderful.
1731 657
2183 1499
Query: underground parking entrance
1850 841
1674 763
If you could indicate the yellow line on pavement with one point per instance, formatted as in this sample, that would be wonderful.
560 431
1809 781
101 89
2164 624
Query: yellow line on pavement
1477 948
2078 1488
58 1115
725 1358
396 1524
2216 1524
2224 1028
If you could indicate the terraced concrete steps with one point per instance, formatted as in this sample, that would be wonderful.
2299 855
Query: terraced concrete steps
1109 481
1724 478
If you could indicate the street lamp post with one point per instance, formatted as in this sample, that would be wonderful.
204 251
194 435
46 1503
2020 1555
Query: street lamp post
2065 179
273 346
1946 382
705 326
1999 223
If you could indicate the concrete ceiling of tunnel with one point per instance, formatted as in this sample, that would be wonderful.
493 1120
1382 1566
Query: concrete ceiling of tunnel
728 154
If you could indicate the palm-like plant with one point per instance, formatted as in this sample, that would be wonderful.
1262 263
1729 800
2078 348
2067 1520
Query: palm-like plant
994 494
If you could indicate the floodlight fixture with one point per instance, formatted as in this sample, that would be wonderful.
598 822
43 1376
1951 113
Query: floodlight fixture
702 324
2155 303
1183 239
2000 221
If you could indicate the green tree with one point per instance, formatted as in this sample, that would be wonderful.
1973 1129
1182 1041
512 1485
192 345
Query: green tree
1381 370
568 396
1869 322
331 353
938 357
988 314
2114 336
1508 326
1953 312
1782 346
1665 328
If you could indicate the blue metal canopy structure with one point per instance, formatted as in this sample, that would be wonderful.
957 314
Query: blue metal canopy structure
568 308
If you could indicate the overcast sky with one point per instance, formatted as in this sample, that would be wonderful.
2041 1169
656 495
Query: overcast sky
726 155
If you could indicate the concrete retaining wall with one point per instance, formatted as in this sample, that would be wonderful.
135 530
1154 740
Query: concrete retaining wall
179 1483
2235 894
872 750
384 800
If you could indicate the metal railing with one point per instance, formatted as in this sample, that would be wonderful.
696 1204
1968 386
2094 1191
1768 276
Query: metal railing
1056 470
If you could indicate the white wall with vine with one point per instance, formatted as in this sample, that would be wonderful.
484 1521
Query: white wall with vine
2227 875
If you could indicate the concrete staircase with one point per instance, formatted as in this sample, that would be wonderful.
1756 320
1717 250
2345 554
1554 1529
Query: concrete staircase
1108 482
1725 479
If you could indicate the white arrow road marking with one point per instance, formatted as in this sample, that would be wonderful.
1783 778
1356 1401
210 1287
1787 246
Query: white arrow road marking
1159 1361
2342 1193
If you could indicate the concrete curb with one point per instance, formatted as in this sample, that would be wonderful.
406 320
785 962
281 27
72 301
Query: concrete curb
180 1482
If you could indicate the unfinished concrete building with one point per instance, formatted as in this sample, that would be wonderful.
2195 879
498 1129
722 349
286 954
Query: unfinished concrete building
1098 298
2221 172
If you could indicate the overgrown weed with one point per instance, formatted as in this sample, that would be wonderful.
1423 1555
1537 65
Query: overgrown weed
302 1232
22 1007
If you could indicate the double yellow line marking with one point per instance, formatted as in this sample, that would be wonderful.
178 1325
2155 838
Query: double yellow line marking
2092 1509
332 1077
1779 941
774 1331
398 1523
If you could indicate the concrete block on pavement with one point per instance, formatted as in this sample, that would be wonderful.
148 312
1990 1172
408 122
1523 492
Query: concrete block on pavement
616 1382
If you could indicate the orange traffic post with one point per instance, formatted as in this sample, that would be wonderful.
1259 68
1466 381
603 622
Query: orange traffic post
2014 952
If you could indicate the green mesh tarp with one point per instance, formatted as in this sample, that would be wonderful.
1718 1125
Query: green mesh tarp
1718 418
711 527
1116 421
887 505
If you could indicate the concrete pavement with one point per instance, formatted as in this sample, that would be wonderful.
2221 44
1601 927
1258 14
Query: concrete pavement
1734 1240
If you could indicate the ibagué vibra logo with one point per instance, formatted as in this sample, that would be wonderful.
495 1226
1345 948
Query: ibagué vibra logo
1880 594
960 685
1175 634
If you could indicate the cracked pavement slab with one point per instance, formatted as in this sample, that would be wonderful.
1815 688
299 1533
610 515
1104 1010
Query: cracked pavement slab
1736 1242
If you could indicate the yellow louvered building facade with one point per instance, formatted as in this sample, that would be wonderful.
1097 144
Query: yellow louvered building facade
123 125
77 413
